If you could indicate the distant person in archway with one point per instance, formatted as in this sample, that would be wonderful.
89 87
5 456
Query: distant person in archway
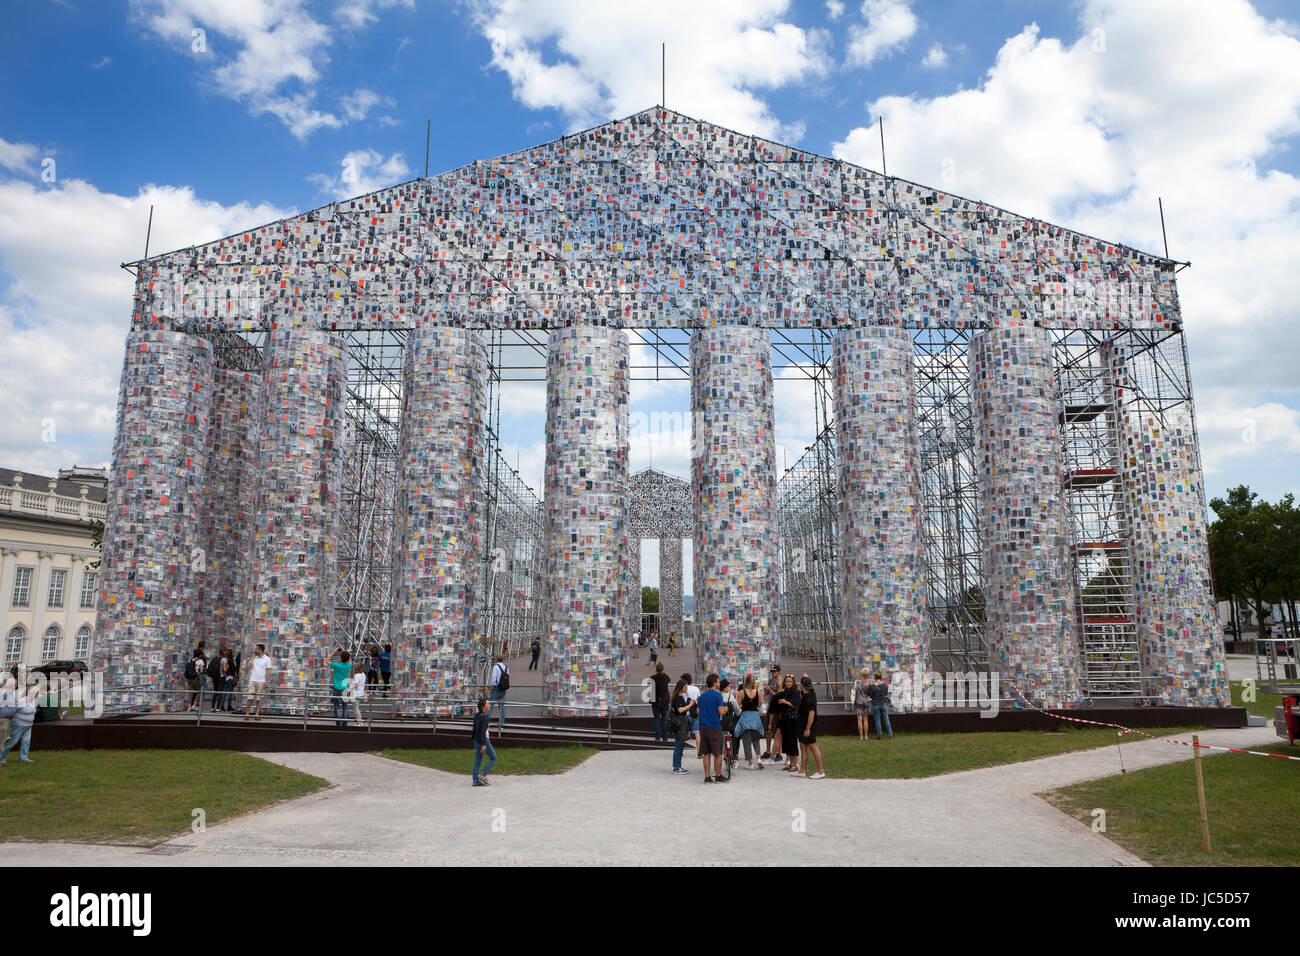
636 644
862 703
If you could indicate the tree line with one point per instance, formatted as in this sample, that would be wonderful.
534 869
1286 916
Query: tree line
1255 554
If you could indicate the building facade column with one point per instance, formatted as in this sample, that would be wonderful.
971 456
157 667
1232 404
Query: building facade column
439 573
879 535
583 650
1180 642
71 602
670 588
1024 527
151 528
733 478
295 523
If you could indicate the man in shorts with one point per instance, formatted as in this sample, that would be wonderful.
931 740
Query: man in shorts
712 708
258 668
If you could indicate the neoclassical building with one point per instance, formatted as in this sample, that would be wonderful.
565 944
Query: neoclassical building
48 587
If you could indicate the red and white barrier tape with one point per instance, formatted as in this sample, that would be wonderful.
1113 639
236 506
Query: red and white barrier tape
1129 730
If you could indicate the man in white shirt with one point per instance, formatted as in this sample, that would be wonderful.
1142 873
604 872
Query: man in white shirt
693 694
500 675
259 667
636 644
358 690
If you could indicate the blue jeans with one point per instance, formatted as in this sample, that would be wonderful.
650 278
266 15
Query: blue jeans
660 712
498 695
339 706
679 747
20 737
880 714
478 758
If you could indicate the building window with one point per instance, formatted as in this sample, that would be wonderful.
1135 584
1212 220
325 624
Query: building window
50 644
89 580
23 587
58 579
83 643
14 644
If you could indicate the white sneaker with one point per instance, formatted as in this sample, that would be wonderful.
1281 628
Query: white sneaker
817 776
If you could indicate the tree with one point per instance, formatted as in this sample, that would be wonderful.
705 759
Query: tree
1252 546
96 542
649 600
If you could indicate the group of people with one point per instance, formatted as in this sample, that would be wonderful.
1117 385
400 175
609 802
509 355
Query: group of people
17 715
780 712
870 700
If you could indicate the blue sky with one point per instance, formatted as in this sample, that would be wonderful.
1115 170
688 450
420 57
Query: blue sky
1081 113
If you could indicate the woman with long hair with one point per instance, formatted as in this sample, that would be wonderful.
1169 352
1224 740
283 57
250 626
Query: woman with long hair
680 722
789 701
749 728
862 703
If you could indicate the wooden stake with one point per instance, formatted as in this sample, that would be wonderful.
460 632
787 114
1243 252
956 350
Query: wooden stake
1200 791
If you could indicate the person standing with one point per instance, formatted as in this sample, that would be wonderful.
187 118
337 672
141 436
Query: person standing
790 699
693 692
654 649
259 667
386 667
8 702
195 668
636 645
660 706
357 690
20 727
749 728
482 745
341 672
709 741
680 723
880 706
862 703
500 683
225 678
773 715
808 729
536 649
215 676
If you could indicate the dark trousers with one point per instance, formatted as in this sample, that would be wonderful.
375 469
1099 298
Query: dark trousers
660 711
532 665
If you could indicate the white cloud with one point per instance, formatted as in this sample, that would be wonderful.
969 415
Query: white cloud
1147 101
105 61
890 24
270 54
936 58
20 157
358 104
363 171
358 14
607 57
834 10
66 310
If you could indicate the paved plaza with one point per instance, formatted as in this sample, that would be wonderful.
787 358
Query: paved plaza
628 808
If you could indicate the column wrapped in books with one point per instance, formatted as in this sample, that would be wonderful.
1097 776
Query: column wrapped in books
733 476
296 520
583 657
222 579
1028 578
670 588
1180 643
880 540
152 536
438 575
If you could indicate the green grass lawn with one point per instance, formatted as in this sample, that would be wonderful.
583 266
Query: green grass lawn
510 760
925 755
1250 802
136 796
1263 703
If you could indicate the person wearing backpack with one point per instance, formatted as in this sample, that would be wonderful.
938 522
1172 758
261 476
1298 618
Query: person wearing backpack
195 668
536 649
679 722
218 680
500 683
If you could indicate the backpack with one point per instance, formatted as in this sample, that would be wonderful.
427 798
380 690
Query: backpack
503 684
190 672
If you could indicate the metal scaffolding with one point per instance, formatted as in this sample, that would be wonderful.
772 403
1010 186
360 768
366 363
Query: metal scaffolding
806 497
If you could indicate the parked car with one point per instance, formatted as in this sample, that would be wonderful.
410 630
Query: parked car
60 667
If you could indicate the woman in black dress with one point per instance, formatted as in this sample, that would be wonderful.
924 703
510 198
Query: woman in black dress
788 700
